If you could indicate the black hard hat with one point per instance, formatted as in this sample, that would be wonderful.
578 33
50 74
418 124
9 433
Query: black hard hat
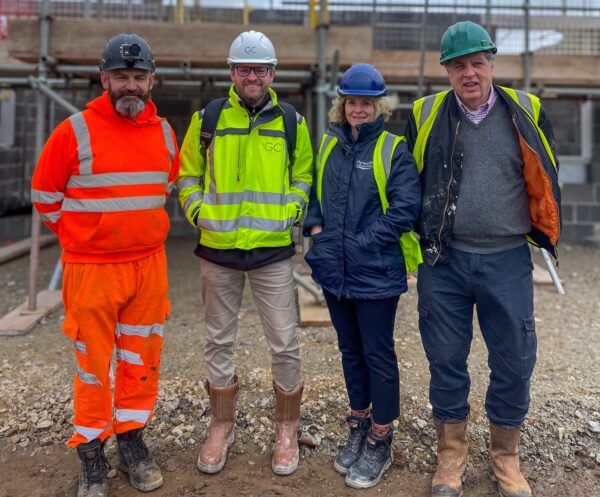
127 51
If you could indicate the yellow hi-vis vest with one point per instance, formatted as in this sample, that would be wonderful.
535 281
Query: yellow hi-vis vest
245 195
425 111
382 164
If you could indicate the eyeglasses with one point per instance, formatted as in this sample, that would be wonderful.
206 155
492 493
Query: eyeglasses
260 71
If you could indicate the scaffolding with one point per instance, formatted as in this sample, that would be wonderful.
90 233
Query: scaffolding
522 28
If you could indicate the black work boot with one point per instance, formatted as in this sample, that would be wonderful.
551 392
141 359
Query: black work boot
94 468
135 459
375 458
357 435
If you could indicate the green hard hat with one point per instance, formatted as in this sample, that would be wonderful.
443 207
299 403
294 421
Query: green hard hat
464 38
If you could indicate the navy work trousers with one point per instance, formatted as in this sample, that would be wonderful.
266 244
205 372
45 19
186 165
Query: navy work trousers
500 286
365 330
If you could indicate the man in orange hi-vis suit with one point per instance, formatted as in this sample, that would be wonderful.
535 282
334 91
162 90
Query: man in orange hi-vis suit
101 183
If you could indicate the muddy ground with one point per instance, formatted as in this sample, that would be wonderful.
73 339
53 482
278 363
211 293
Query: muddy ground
561 440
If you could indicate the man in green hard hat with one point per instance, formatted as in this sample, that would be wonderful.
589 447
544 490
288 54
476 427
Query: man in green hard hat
489 178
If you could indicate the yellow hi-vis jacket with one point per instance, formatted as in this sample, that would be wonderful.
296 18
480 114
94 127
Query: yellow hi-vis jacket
243 196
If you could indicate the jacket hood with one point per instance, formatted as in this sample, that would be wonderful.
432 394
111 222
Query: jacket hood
104 106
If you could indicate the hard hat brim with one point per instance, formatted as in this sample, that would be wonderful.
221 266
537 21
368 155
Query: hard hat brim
467 51
363 93
271 62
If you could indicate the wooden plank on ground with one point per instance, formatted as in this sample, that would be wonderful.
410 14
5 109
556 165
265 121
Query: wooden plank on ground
20 320
21 247
311 313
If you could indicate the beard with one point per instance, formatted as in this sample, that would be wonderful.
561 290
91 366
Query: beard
129 104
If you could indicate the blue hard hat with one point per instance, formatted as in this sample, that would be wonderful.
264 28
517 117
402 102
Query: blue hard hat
363 80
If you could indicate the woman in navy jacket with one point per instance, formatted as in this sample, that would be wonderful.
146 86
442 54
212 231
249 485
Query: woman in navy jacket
357 260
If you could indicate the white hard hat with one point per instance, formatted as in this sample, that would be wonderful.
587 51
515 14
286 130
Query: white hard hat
252 46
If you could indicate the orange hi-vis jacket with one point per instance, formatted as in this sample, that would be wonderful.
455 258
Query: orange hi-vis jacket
101 183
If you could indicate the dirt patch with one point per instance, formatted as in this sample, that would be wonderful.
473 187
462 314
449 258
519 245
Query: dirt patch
561 449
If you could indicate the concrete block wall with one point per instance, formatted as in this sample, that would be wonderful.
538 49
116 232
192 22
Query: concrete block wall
11 178
581 212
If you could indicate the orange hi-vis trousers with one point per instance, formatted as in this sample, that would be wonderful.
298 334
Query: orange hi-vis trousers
123 305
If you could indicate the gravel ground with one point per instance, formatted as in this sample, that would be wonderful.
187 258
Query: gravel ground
561 449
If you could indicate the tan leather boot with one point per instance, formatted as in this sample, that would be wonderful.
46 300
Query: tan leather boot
287 418
504 461
452 451
213 453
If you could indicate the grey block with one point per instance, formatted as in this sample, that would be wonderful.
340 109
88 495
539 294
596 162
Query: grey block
588 213
567 213
578 193
576 233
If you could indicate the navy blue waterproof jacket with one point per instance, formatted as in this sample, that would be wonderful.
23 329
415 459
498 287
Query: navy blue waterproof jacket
357 255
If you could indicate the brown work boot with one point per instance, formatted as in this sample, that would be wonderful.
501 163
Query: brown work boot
452 451
504 461
287 418
213 453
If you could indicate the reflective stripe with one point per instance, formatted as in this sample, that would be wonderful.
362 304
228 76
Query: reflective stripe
324 146
294 197
168 138
118 179
86 377
130 357
186 181
301 185
137 415
42 197
194 197
80 347
251 196
232 131
84 150
50 217
525 102
426 109
117 204
140 329
327 144
255 223
271 132
89 433
386 152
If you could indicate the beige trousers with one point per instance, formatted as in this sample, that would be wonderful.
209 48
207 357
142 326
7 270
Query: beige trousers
273 291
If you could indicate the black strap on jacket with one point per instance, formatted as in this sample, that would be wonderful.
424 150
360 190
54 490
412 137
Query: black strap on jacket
210 117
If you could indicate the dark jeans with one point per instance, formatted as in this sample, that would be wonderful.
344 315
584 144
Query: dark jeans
365 330
501 288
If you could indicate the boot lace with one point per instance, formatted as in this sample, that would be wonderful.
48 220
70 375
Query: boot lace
96 469
139 451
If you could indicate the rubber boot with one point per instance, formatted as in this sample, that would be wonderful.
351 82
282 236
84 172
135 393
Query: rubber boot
504 461
357 435
286 454
93 480
136 461
375 458
452 451
213 453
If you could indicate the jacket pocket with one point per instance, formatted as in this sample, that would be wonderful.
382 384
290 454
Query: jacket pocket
528 348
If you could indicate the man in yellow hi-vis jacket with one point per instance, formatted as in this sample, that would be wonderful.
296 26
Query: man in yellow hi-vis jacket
245 176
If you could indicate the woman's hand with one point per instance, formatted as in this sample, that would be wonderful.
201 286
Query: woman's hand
317 228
